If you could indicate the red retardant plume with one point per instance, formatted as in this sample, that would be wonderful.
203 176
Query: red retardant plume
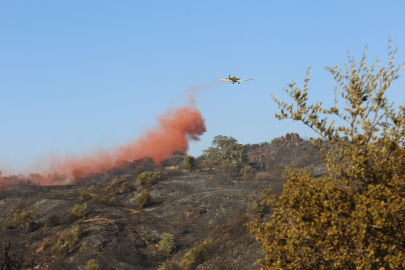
173 131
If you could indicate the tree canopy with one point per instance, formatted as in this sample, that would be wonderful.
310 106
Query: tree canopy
226 149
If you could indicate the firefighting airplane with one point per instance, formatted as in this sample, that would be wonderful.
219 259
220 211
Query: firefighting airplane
233 79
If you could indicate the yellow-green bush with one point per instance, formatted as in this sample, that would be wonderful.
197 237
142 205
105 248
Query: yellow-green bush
63 246
248 172
59 250
20 218
77 212
198 254
120 186
353 217
148 178
92 264
105 200
166 243
290 168
143 198
85 195
73 237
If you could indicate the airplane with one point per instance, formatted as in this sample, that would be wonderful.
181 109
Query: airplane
233 79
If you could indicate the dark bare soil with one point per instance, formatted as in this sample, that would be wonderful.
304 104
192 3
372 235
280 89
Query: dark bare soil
191 206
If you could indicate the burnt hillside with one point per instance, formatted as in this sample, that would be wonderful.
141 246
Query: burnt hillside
119 234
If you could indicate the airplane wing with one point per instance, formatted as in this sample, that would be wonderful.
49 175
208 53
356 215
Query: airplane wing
228 80
244 80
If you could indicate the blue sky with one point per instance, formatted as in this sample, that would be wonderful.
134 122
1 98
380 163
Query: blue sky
82 75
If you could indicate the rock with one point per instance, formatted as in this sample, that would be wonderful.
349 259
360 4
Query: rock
290 138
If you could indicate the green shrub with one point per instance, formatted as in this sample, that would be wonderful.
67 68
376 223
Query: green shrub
92 265
144 178
105 200
148 178
85 195
73 237
21 218
167 243
53 220
248 172
309 170
77 212
60 250
198 254
161 267
143 199
274 141
63 246
120 186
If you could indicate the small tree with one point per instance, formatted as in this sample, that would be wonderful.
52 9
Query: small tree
189 163
177 158
167 243
353 217
227 150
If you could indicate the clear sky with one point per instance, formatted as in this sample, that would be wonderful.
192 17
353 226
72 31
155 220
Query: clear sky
82 75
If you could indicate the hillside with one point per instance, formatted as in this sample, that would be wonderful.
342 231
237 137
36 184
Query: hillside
192 206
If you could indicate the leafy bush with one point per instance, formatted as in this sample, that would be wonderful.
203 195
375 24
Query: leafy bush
248 172
274 141
20 218
198 254
167 243
92 265
73 237
143 199
300 172
77 212
53 220
148 178
85 195
105 200
353 217
59 250
63 246
120 186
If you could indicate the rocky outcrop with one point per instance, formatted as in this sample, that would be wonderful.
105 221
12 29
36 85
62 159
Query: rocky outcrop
290 138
